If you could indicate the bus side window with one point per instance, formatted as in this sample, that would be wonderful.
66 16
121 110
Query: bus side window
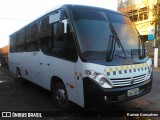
63 45
45 35
32 37
12 43
20 44
56 38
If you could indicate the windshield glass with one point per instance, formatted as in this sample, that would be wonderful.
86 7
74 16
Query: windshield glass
126 32
94 32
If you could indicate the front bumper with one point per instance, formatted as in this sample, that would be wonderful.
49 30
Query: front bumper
94 94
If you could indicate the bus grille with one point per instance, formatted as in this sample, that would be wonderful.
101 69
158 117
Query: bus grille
117 82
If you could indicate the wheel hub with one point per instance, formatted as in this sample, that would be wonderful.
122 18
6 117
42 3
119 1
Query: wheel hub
18 74
60 96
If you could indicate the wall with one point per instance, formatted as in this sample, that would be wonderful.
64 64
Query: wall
4 56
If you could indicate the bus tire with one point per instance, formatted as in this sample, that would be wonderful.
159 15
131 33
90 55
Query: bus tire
19 77
60 97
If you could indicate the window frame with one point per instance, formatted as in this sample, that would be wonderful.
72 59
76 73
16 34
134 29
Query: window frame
18 37
52 37
12 47
29 27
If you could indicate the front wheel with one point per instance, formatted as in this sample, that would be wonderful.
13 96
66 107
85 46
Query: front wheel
60 96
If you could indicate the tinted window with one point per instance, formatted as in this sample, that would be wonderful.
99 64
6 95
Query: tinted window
63 44
45 35
20 41
95 30
118 18
56 39
125 31
32 38
12 43
92 29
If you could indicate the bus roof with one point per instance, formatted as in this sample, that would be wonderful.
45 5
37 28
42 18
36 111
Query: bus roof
68 7
76 6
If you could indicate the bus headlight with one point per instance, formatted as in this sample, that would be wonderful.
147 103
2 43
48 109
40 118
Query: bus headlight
102 81
99 78
148 75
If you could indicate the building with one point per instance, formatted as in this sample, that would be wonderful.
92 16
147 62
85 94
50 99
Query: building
145 15
4 56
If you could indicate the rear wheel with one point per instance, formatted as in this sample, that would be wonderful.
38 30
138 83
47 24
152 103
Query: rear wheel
19 77
18 74
60 96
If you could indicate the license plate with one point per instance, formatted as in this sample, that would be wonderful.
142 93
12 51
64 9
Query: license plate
132 92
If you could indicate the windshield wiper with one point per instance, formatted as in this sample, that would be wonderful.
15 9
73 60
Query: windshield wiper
113 40
111 48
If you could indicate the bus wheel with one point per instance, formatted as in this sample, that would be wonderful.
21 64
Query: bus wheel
60 96
19 77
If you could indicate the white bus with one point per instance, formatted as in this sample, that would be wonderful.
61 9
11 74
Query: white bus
82 54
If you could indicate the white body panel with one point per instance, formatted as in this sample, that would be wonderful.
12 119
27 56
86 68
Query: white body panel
40 68
31 66
69 72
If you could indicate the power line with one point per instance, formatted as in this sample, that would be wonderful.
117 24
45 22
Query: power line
13 19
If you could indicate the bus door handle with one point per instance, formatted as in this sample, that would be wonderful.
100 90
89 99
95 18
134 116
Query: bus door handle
48 64
40 63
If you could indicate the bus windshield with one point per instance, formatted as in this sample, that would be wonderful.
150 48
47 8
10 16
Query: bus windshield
94 32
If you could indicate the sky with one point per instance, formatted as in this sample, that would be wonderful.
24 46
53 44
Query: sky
14 14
